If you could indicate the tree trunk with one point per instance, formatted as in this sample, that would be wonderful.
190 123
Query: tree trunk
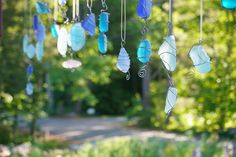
145 89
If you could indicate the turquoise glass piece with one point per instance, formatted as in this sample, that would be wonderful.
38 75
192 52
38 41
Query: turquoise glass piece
25 43
104 22
89 24
35 22
42 8
62 41
39 50
29 88
144 8
144 51
29 70
200 59
41 32
123 61
30 51
54 30
228 4
62 2
77 37
167 53
102 43
170 99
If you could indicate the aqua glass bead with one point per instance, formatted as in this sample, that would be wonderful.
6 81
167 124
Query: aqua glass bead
144 8
89 24
29 70
144 51
229 4
41 32
102 43
42 8
29 88
39 50
35 22
54 30
77 37
104 22
30 51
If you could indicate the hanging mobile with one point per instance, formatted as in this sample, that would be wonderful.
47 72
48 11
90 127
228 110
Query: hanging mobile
103 28
89 23
198 55
144 49
123 61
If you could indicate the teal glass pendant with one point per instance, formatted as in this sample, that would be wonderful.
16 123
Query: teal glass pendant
144 51
39 50
102 43
89 24
54 30
104 22
170 99
77 37
42 8
62 41
29 88
123 61
144 8
228 4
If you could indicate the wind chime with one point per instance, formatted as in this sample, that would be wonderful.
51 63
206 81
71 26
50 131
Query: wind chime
89 23
167 53
144 50
123 61
103 28
198 55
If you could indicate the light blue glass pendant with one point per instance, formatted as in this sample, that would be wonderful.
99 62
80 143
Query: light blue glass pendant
42 8
25 43
30 51
123 61
29 70
89 24
62 41
170 99
144 8
200 59
167 53
102 43
144 51
39 50
104 22
77 37
29 88
35 22
54 30
228 4
62 2
41 32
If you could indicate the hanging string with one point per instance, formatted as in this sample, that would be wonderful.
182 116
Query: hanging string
55 10
104 5
89 5
123 22
75 10
201 20
170 25
25 16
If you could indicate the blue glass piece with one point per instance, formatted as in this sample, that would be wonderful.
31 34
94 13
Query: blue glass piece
29 88
41 32
89 24
30 51
54 30
29 70
104 22
144 51
229 4
77 36
39 50
123 61
102 43
35 22
62 2
170 99
42 8
25 43
144 8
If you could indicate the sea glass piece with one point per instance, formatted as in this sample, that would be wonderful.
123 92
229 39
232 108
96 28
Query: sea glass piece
25 43
104 22
29 70
144 51
62 41
167 53
170 99
35 22
228 4
123 62
29 88
54 30
42 8
41 32
102 43
200 59
89 24
77 37
71 64
30 51
62 2
39 50
144 8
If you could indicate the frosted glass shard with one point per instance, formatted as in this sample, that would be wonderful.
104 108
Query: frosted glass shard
35 22
62 41
144 8
42 8
102 43
123 61
228 4
77 37
167 53
200 59
71 64
30 51
170 99
104 22
89 24
62 2
29 88
144 51
54 30
39 50
41 32
29 70
25 43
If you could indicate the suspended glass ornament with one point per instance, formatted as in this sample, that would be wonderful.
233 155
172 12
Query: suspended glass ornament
30 51
104 22
228 4
25 43
102 43
144 8
144 51
29 88
62 2
200 59
35 22
123 62
29 70
41 32
167 53
42 8
62 41
39 50
89 24
71 64
77 37
54 30
170 99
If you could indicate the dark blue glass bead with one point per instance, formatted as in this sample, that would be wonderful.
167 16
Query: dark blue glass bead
29 70
89 24
35 22
144 8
